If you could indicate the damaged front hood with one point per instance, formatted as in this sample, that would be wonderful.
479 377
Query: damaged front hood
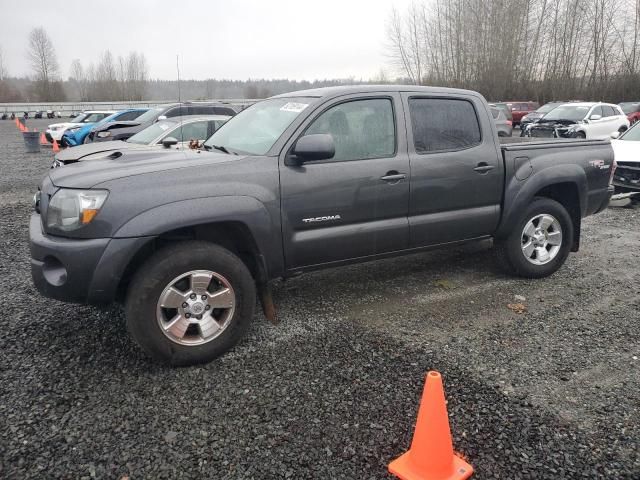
554 123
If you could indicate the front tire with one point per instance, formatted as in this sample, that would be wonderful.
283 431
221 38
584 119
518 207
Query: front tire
540 241
189 303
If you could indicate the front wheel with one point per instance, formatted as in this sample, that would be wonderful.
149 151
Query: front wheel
540 241
190 303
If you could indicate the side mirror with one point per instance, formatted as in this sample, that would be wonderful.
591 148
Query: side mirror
312 148
615 135
595 117
169 142
162 117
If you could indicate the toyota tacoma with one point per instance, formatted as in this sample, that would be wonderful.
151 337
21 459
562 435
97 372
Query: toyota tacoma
188 240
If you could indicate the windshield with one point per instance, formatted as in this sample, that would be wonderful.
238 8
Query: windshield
79 118
149 134
149 115
628 108
633 134
567 112
256 129
547 108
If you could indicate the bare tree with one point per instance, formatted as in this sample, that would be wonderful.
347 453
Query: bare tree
78 80
541 49
44 63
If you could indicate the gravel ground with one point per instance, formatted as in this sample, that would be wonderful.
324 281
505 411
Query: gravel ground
332 392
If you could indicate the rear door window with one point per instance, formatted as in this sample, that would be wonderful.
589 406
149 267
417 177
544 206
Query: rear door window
596 111
440 124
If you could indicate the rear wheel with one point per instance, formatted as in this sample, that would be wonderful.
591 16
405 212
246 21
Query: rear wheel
190 303
540 241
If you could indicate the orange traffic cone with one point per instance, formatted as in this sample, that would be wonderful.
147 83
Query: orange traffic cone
17 122
56 148
431 454
43 139
21 127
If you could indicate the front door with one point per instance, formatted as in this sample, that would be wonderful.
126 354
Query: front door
355 204
456 169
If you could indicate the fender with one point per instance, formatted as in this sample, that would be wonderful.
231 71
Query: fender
519 194
264 227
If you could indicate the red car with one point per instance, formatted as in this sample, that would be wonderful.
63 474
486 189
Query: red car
520 109
631 110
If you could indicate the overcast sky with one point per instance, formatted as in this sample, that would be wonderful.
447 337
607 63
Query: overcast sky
214 38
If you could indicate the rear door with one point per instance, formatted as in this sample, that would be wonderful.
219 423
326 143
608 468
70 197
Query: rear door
355 204
456 169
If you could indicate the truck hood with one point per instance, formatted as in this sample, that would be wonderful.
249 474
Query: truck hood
93 150
127 163
626 151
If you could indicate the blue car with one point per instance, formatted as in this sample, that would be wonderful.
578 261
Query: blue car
76 136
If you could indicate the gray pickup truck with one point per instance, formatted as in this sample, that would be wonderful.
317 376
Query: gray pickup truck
314 179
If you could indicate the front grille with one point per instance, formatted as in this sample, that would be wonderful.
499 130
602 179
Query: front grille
542 133
628 174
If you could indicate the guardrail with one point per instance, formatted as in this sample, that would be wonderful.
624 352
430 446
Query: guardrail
69 107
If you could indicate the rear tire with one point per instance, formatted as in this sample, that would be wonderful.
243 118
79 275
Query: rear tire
171 289
523 252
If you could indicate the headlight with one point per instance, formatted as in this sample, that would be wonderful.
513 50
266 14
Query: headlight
71 209
104 134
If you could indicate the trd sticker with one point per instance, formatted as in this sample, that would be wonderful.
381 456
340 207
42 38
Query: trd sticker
599 164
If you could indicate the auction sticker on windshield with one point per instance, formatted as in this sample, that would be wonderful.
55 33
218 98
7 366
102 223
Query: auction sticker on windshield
294 107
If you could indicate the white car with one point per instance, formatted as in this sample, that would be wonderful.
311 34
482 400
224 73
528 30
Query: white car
581 120
56 130
626 149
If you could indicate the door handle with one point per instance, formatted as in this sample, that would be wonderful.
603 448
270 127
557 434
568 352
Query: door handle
484 167
393 176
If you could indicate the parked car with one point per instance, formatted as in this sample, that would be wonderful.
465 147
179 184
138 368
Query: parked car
631 110
520 109
5 115
299 182
535 116
78 135
581 120
176 133
124 130
52 114
56 130
39 114
505 109
504 126
627 153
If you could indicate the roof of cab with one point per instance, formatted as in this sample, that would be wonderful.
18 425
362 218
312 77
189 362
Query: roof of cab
327 92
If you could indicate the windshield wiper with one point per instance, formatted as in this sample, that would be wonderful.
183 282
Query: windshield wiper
219 147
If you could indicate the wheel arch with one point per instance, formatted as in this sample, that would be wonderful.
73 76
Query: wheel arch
234 236
566 184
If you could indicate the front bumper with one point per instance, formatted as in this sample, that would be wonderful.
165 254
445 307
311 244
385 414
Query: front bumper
627 177
79 270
